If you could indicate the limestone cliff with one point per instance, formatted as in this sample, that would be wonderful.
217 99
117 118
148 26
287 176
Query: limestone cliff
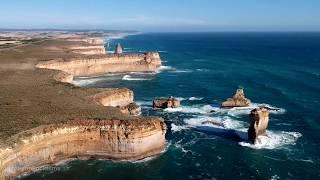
238 100
68 121
89 50
111 63
259 123
121 98
103 139
132 109
115 97
93 40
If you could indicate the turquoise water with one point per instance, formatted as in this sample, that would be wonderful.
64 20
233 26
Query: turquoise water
203 69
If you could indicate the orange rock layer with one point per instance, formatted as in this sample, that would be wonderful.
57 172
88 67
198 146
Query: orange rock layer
103 139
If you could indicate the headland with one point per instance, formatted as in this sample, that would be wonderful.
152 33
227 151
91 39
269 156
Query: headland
45 119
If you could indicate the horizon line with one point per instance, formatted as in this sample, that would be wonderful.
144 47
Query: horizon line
137 31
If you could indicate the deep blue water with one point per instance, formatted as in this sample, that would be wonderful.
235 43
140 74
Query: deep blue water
278 69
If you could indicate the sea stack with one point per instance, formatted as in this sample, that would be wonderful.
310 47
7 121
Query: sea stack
121 98
118 49
163 103
238 100
132 109
259 123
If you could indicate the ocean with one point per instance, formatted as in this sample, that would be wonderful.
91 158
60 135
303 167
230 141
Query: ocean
280 70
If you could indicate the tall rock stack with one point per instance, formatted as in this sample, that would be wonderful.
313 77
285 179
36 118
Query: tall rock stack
259 123
238 100
118 49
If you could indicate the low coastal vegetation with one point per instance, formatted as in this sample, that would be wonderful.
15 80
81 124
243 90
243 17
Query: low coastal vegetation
43 116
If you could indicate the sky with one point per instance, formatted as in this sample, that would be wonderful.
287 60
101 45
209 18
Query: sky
162 16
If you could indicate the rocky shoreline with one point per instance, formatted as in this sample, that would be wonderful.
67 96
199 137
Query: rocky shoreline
82 127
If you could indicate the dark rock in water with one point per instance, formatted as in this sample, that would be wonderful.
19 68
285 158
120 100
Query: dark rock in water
238 100
163 103
132 109
259 123
118 49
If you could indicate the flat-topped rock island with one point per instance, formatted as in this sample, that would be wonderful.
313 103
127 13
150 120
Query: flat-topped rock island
45 119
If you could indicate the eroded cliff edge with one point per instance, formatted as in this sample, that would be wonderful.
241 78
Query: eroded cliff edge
105 139
45 120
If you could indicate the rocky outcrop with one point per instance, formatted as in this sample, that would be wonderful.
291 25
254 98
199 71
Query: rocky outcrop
102 64
121 98
102 139
118 49
64 77
163 103
132 109
115 97
259 123
238 100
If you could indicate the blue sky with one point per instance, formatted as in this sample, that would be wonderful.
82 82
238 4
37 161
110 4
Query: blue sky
164 15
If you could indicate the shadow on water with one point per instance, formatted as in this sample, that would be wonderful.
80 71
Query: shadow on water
229 134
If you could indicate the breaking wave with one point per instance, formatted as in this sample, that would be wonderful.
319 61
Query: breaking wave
85 82
216 120
191 109
195 98
143 73
176 128
274 140
172 70
182 71
130 78
227 125
180 98
238 111
165 68
203 70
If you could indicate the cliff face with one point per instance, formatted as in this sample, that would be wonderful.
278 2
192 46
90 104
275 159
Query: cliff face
103 139
37 100
121 98
238 100
259 123
112 63
92 41
88 50
115 97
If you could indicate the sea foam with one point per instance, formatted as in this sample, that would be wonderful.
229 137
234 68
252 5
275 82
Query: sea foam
195 98
130 78
85 82
176 128
273 140
165 68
